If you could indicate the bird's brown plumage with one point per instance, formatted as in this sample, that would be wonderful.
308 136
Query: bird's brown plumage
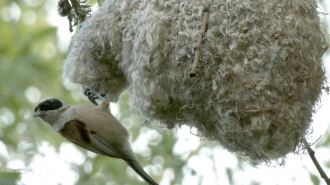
96 129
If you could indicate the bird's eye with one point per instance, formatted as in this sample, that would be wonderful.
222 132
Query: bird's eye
44 106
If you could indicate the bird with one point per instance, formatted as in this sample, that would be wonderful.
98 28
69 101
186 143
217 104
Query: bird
92 127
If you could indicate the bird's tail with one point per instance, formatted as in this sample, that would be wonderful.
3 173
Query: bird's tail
136 166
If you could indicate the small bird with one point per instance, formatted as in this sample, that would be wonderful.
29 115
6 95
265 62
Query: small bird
91 127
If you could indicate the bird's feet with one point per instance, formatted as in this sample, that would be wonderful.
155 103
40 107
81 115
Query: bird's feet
93 94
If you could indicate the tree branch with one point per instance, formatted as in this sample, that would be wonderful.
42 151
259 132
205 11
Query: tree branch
311 154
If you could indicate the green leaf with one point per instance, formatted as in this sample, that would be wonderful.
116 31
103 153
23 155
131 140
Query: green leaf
315 179
9 178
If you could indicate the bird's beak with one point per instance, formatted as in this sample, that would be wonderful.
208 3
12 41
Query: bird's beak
37 113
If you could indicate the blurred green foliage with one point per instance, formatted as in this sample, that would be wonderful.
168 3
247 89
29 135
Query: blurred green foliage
22 66
29 65
9 177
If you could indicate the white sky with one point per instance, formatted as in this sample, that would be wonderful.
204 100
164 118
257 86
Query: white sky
294 172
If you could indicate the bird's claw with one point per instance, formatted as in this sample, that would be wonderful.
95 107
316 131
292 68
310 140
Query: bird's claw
90 96
93 94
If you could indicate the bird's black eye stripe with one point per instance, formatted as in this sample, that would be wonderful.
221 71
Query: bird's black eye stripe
51 104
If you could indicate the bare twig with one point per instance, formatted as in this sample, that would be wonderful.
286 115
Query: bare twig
311 154
80 9
76 12
64 10
257 110
200 40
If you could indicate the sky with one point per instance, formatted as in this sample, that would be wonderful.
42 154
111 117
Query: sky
211 170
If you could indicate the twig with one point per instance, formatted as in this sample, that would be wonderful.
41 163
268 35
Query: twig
64 10
311 154
81 10
76 13
200 40
257 110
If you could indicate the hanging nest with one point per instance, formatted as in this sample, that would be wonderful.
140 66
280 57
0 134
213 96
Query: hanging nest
258 77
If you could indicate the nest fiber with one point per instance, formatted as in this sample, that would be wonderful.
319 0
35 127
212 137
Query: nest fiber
258 77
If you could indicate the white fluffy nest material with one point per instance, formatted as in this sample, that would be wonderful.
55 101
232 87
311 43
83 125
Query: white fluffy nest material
257 81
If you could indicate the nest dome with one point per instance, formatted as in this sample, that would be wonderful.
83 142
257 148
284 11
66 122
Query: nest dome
258 77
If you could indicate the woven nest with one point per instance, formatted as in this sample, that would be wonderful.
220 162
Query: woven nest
258 77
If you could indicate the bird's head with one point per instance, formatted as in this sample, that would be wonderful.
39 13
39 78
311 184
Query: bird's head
48 109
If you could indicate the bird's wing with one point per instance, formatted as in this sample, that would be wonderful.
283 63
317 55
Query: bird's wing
97 130
105 130
103 146
78 133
